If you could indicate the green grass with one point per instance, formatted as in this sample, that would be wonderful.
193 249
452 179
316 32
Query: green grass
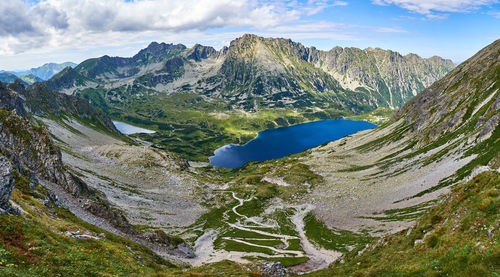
35 244
273 243
333 239
193 128
294 244
230 245
285 261
407 213
459 237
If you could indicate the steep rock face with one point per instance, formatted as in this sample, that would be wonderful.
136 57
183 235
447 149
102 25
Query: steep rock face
41 101
29 149
33 154
391 78
6 183
275 72
255 71
32 151
156 52
10 100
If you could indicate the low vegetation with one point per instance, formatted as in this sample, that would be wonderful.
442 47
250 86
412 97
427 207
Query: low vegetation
37 243
458 237
187 124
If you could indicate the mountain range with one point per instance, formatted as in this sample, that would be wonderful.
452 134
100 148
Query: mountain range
38 74
255 72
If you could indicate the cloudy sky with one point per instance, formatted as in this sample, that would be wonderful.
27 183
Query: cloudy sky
33 32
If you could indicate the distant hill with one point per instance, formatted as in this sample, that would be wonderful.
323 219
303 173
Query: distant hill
41 73
48 70
30 78
7 77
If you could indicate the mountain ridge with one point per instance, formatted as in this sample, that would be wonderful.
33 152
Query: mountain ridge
255 71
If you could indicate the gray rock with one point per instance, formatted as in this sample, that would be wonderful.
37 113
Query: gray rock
186 250
6 183
274 269
115 218
490 125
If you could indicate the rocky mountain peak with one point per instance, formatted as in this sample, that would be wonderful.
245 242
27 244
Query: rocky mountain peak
199 52
157 50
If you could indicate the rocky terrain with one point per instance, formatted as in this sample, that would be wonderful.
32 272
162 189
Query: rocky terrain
34 163
6 184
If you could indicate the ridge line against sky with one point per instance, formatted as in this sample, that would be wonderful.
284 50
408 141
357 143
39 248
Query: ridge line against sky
34 32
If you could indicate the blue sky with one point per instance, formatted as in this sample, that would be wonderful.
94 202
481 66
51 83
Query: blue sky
37 32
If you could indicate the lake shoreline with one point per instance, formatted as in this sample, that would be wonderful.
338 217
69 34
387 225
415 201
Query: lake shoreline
282 141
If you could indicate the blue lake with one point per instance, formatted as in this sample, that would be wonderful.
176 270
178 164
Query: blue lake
128 129
280 142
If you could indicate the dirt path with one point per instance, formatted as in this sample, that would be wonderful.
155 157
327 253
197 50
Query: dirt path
318 258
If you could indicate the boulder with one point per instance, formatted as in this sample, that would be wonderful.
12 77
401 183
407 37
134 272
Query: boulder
274 269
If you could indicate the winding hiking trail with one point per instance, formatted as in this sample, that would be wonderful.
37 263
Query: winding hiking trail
318 258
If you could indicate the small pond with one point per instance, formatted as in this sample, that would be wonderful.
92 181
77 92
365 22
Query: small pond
128 129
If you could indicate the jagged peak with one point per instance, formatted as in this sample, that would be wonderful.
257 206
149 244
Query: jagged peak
17 85
157 50
199 52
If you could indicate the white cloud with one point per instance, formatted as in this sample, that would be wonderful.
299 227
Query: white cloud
52 29
439 16
389 30
54 23
430 7
316 6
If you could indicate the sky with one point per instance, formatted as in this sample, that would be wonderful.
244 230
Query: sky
34 32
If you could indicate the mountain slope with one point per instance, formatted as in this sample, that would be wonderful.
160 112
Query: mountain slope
230 95
41 101
39 170
457 237
382 180
30 78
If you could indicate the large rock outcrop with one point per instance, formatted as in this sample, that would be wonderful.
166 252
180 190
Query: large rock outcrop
6 183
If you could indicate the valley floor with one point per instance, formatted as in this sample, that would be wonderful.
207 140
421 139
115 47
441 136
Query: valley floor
270 211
